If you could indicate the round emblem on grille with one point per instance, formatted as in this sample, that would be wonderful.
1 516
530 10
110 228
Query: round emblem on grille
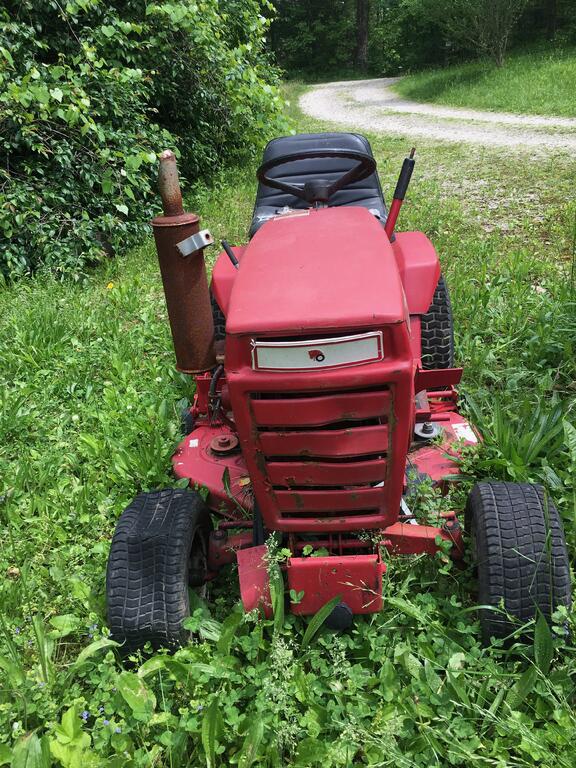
317 355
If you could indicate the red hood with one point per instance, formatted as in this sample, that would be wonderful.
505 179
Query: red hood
317 270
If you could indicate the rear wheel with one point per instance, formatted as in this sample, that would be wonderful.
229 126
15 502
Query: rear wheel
159 549
519 547
187 421
218 319
437 330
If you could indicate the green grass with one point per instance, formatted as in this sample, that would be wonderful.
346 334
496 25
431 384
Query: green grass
540 83
89 416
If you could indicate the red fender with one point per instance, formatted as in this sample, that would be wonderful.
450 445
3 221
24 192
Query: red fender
223 276
419 269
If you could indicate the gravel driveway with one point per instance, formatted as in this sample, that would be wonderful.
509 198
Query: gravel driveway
373 105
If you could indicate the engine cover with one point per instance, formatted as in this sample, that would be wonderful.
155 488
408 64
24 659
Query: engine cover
329 270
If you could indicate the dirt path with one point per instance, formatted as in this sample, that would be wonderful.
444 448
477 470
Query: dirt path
372 105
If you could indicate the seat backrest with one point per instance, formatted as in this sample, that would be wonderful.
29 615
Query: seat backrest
300 171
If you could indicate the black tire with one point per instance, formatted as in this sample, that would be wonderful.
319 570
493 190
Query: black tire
519 547
219 320
258 530
437 330
158 550
187 422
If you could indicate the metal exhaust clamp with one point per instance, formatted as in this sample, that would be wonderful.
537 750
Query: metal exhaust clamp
195 243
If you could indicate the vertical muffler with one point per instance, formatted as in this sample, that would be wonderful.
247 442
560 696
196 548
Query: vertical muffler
184 276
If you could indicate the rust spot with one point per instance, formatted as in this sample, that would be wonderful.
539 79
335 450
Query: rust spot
391 415
169 184
298 501
261 462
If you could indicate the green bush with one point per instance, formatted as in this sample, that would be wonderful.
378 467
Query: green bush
90 91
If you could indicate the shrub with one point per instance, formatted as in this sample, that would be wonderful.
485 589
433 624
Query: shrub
90 91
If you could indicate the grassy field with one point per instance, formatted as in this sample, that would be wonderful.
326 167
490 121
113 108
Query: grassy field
540 83
89 416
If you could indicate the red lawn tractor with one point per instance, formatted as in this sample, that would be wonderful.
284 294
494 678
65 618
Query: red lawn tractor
325 393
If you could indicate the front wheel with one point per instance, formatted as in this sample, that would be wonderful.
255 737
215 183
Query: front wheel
519 547
159 549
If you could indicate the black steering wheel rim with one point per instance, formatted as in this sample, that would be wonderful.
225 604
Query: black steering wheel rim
366 166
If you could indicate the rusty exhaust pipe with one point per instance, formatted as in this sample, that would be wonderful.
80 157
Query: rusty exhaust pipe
184 277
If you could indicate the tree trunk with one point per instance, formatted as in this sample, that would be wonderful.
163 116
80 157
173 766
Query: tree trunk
362 19
498 55
551 18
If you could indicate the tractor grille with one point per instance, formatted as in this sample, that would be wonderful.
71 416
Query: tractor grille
324 454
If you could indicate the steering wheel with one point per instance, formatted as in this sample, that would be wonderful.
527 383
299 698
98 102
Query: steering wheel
318 190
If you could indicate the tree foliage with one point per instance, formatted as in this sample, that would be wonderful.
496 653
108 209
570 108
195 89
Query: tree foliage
91 90
484 26
316 37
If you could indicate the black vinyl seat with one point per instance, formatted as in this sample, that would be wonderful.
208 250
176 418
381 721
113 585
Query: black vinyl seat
367 193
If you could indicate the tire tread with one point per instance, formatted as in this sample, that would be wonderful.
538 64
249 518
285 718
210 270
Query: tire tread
218 319
147 574
521 554
437 330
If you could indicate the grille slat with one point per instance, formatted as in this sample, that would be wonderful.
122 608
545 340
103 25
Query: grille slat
353 441
314 473
321 409
324 501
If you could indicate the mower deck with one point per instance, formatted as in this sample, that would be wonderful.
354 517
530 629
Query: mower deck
210 453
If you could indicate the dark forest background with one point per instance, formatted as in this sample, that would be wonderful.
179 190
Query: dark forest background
386 37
